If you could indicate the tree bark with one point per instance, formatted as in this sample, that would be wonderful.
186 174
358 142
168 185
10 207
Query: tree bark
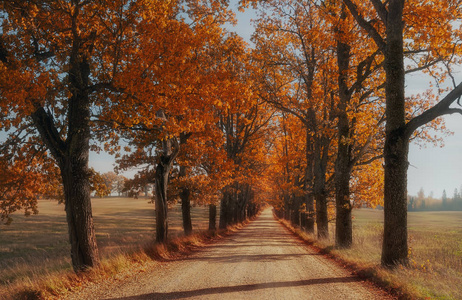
225 209
186 210
185 193
72 157
295 215
398 133
343 222
84 250
170 150
162 171
212 217
320 194
309 175
395 244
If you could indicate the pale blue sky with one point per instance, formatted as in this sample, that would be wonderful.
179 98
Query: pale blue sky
432 168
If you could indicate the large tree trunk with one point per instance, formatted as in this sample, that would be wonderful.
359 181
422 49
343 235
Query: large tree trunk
226 209
343 223
395 247
72 157
84 250
212 217
309 175
170 150
310 215
295 215
162 172
286 206
185 193
186 210
320 193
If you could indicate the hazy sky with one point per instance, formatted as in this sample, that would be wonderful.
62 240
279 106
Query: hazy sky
432 168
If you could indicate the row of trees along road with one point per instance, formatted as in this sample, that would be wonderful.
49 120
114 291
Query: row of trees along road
310 114
162 76
336 70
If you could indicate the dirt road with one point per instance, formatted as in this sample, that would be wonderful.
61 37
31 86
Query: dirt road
262 261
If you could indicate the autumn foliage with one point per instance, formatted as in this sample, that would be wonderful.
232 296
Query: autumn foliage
302 119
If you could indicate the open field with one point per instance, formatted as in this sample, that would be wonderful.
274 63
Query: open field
435 241
37 245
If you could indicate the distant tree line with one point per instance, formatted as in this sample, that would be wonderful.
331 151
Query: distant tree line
428 203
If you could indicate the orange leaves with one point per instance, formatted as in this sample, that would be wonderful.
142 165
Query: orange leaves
23 180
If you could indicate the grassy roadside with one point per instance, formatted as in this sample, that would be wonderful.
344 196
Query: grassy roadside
58 284
34 250
37 245
435 244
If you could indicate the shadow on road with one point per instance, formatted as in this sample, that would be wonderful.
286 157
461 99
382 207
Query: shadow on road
235 258
239 288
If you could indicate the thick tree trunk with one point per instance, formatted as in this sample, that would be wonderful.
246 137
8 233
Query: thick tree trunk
185 193
162 172
320 194
225 209
395 244
295 215
72 158
185 204
84 250
343 223
212 217
170 150
309 175
287 207
310 214
186 210
244 198
395 247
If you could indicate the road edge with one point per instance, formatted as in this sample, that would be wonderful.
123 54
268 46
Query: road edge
370 274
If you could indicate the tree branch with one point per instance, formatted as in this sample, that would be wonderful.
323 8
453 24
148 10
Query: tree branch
380 9
50 135
438 110
366 25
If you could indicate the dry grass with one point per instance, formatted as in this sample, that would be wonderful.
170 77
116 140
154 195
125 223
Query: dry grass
36 247
435 241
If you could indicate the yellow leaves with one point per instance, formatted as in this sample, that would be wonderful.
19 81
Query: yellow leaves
368 184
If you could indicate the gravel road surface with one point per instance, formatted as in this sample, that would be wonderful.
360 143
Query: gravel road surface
261 261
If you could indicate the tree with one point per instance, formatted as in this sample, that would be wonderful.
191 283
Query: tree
421 194
110 180
99 185
68 73
430 46
23 179
296 62
359 138
169 152
445 200
243 124
177 67
59 65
